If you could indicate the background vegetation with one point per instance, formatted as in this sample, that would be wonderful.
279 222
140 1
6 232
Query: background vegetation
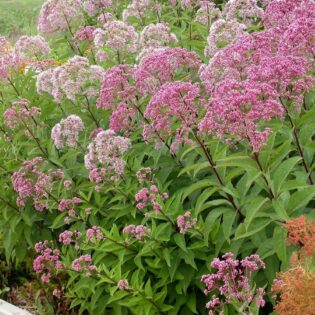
18 17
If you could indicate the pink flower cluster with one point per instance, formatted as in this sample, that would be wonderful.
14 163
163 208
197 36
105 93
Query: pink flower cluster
121 118
84 34
138 232
69 206
93 7
20 114
48 262
32 46
245 11
247 79
94 234
148 197
123 284
58 15
282 13
31 182
74 78
106 151
232 280
176 103
4 45
118 36
221 34
66 133
207 13
83 263
156 35
162 65
10 62
184 3
237 106
116 87
185 222
144 174
137 9
69 237
57 293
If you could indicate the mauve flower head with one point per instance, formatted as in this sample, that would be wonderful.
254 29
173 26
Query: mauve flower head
137 9
4 45
221 34
31 182
162 65
287 75
186 222
156 35
237 108
281 13
83 263
94 7
101 56
123 284
48 262
66 133
116 87
235 60
32 46
10 62
147 197
20 114
138 232
58 15
69 204
68 237
245 11
57 293
144 174
185 3
72 79
298 39
67 183
104 158
84 33
207 13
121 118
233 281
118 36
176 103
94 234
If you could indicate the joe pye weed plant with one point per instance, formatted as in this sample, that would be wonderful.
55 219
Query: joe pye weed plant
157 157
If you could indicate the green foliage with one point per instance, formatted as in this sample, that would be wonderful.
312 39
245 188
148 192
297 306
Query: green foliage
163 270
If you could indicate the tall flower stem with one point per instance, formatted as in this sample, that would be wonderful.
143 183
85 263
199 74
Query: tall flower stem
255 156
217 175
298 144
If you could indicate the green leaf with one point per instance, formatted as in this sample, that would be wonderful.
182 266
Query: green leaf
228 220
211 220
279 237
180 241
279 207
253 207
257 225
199 185
300 199
282 173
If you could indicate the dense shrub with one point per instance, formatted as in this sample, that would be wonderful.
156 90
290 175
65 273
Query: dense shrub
155 155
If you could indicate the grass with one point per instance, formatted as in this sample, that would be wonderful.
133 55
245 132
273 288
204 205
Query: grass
18 17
